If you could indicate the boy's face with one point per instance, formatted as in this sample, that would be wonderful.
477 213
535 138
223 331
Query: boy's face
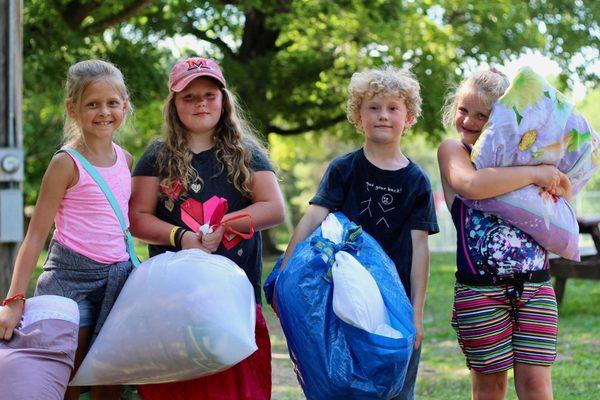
384 118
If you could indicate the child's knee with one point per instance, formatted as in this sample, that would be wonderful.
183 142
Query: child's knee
534 380
489 386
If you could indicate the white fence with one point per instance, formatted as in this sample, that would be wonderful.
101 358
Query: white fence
586 203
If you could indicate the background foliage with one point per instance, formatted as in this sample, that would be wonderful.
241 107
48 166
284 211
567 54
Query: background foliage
290 62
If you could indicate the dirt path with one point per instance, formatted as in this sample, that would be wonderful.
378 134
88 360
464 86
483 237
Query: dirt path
285 384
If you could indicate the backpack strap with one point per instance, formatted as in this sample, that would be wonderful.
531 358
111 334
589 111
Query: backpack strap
468 147
111 199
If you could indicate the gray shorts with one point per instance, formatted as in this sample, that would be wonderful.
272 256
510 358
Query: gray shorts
92 285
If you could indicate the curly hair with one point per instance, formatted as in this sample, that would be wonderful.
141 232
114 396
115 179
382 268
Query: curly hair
388 80
79 76
235 141
488 86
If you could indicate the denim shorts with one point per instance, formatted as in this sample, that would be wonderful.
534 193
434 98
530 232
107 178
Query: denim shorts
92 285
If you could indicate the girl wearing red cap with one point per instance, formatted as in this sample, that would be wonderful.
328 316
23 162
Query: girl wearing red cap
208 150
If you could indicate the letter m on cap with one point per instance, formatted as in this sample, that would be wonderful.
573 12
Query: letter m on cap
194 63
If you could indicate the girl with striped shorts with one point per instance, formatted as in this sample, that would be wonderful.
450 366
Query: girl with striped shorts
505 313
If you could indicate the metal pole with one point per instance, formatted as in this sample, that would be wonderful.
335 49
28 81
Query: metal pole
11 75
11 153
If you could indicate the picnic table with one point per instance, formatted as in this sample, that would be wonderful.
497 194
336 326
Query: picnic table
589 266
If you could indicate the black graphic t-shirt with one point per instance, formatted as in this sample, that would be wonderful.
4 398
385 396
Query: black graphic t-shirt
387 204
248 253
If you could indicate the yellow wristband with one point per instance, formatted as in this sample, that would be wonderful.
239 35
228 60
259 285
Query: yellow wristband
172 235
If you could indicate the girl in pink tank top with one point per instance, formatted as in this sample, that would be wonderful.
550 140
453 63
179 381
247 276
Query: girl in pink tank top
88 260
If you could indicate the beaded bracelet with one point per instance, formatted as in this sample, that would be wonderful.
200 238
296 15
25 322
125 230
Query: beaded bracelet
18 296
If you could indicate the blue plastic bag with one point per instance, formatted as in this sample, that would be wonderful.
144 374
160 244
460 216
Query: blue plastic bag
335 360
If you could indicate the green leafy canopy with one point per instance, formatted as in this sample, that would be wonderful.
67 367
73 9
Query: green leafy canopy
289 60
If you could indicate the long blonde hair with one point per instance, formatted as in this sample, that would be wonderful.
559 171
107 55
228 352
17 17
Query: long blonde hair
488 86
79 76
235 141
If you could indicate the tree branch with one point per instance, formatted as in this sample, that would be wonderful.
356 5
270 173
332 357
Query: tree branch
258 38
123 15
216 41
189 28
74 12
456 17
306 128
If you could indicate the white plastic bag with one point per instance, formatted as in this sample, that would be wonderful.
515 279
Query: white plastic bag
356 296
179 316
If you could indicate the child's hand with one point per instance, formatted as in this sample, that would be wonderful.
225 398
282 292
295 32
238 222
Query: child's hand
547 177
562 189
192 240
212 240
420 332
10 317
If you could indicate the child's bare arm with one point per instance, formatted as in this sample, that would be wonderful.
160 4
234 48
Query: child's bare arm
419 276
142 205
457 170
59 176
310 221
147 226
267 209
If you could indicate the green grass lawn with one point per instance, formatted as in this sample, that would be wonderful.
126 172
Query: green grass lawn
575 373
443 374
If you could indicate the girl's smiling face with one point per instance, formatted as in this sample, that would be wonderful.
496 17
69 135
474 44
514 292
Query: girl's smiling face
199 106
471 116
101 109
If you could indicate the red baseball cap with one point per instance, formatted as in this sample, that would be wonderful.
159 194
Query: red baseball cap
189 69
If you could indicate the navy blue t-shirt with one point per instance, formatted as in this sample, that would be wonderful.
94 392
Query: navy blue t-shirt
248 253
387 204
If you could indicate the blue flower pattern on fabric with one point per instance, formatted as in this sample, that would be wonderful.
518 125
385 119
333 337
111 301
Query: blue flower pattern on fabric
498 248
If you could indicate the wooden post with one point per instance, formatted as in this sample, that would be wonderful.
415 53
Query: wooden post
11 136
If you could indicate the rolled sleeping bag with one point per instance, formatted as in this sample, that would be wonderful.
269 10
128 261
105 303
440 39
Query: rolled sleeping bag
37 362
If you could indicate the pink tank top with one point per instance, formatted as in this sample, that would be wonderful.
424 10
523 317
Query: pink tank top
86 223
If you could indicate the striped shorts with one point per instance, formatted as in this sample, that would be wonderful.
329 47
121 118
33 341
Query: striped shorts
493 335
